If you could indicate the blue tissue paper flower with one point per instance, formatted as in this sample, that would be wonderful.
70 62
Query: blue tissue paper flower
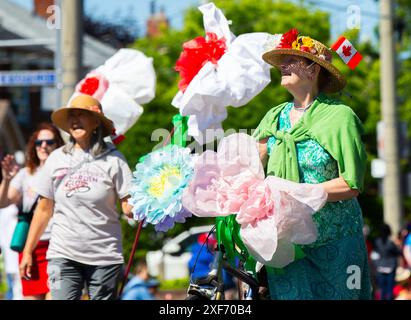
158 184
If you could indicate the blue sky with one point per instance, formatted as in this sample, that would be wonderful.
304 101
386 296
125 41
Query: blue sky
140 9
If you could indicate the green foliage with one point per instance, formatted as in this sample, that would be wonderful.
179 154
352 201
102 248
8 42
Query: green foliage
3 284
182 283
246 16
361 93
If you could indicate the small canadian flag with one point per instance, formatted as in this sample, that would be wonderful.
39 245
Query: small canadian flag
347 52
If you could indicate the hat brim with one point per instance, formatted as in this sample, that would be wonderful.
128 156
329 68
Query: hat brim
60 119
335 82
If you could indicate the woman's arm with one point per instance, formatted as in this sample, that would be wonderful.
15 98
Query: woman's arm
8 195
337 189
41 218
262 150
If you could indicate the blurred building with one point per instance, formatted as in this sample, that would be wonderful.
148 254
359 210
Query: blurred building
26 100
157 23
40 8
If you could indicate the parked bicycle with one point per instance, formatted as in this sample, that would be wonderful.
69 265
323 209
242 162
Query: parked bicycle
212 286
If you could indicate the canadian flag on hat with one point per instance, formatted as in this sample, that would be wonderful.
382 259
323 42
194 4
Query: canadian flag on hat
347 52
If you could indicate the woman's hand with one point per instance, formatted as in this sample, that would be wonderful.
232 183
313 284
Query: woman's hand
25 265
126 207
9 167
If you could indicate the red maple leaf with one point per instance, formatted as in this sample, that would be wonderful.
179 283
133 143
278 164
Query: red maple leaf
346 50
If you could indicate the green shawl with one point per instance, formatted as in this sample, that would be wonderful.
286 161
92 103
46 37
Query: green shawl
334 126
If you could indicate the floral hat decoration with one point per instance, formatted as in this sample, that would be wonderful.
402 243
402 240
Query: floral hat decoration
291 43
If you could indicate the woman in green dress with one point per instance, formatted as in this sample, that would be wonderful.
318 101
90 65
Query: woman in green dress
315 139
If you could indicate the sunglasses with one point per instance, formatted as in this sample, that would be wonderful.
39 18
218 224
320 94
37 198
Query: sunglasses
49 142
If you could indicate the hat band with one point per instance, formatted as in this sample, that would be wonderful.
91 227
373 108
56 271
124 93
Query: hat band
93 108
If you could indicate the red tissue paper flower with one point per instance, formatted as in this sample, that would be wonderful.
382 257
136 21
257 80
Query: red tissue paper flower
196 53
94 84
89 86
288 38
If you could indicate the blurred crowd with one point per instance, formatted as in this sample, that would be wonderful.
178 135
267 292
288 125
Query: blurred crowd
390 262
389 255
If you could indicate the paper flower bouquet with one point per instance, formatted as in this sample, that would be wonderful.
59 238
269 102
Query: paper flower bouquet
274 214
170 184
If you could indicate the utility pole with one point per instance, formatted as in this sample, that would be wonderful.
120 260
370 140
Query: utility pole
71 46
57 58
392 190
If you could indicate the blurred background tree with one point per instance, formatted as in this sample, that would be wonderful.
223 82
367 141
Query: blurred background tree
361 93
119 34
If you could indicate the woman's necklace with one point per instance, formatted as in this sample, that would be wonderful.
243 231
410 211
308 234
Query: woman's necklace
302 109
295 117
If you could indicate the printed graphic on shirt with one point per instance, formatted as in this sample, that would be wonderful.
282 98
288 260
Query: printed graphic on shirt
79 182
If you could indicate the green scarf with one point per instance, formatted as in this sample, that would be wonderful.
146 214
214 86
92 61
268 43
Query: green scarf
334 126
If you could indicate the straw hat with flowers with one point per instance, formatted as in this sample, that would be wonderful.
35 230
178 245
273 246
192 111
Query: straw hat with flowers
82 102
291 43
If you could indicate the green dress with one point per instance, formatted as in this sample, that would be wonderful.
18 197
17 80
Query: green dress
336 265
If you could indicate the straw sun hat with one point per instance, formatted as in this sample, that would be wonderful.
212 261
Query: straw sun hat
82 102
290 43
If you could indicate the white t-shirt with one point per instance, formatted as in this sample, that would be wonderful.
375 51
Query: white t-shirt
24 183
8 221
86 226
